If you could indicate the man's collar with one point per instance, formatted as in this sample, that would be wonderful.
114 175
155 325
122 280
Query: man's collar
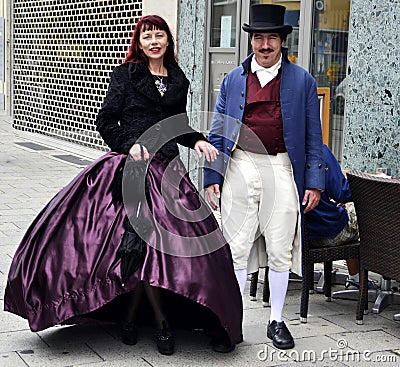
256 67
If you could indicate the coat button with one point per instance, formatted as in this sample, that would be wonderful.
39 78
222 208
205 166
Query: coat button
241 107
238 121
308 165
320 165
233 136
228 149
242 93
157 127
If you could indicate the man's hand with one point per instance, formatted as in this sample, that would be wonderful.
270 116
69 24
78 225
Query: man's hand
212 192
311 199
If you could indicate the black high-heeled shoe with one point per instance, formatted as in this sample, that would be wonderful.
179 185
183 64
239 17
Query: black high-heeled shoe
129 333
165 340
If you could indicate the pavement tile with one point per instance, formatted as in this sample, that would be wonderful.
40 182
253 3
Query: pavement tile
60 336
59 356
11 359
378 359
18 340
373 341
254 333
241 356
315 350
10 322
314 327
371 322
138 362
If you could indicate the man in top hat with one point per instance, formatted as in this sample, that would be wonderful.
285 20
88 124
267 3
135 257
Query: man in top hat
271 161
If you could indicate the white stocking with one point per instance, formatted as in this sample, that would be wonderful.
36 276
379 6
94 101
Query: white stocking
241 276
278 284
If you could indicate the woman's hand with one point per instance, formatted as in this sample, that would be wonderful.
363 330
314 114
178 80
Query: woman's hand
212 192
136 154
210 152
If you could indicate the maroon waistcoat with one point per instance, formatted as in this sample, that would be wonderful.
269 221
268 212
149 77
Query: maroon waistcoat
262 117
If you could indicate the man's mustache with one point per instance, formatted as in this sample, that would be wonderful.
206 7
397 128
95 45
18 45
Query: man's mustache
265 50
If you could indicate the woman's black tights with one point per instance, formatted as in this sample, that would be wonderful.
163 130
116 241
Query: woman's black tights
153 295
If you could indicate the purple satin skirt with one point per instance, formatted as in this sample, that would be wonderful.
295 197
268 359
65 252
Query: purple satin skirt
66 269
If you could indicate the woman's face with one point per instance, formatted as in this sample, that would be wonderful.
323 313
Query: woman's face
154 43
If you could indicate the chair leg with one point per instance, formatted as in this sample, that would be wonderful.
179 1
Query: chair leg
305 290
311 279
328 280
253 286
362 304
266 291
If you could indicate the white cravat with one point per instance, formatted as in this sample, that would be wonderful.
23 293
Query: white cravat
265 75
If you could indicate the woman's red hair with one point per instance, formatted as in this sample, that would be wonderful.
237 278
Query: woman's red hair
149 23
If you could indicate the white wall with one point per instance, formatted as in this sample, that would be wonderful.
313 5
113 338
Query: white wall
168 9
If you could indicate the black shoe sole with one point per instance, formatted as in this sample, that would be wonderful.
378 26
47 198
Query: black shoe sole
280 346
223 348
129 342
166 352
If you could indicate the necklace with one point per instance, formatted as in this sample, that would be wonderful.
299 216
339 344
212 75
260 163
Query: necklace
161 86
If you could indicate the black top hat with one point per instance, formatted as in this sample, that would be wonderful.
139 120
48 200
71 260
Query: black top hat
267 18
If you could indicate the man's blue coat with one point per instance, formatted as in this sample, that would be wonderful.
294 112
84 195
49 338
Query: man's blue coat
301 124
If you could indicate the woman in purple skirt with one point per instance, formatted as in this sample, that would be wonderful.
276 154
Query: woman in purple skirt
67 268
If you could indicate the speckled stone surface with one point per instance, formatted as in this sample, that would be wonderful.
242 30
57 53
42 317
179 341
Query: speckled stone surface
192 17
372 129
191 53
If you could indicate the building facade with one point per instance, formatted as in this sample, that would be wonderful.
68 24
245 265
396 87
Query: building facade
64 51
372 129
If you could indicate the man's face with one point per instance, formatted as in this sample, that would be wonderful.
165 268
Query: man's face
267 48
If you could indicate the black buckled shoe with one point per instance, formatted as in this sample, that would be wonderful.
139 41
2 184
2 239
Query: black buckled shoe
280 335
129 333
165 340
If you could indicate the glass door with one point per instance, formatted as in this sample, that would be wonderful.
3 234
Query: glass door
329 61
222 55
292 17
227 45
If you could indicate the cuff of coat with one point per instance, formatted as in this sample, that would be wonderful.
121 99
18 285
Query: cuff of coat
315 176
212 177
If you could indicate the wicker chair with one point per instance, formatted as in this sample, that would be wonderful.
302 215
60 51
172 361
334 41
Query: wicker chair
377 204
324 255
312 256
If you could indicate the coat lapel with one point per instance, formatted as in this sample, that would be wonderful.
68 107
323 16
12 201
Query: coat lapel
143 81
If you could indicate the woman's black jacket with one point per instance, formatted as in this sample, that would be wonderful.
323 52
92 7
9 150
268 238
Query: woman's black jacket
133 105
